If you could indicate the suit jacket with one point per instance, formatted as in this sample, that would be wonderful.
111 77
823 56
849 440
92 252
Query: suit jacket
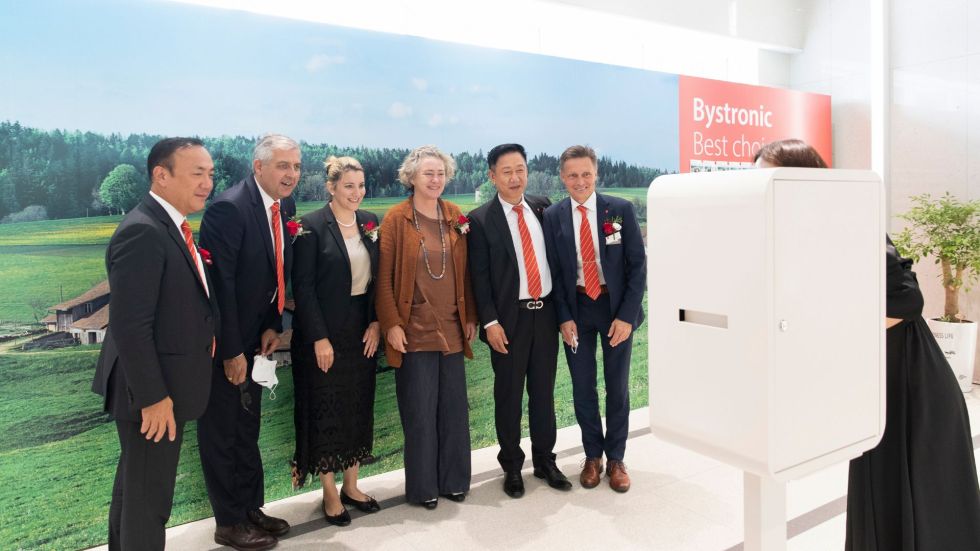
401 246
623 265
494 264
322 274
162 324
235 229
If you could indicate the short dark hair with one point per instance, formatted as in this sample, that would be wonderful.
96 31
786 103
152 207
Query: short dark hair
503 149
577 152
162 153
790 153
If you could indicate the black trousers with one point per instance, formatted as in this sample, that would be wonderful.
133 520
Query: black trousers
432 404
143 492
532 358
228 437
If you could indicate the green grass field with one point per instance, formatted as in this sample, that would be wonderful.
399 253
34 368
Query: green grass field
58 453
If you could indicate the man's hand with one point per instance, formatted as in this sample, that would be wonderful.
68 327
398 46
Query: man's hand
470 332
569 332
270 341
235 369
158 419
324 354
497 338
396 338
619 331
371 338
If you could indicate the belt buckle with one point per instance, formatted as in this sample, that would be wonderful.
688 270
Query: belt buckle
535 304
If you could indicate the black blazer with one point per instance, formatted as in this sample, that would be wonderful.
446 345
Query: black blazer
624 264
235 229
322 275
162 322
493 263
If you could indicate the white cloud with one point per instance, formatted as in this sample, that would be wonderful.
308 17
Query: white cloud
320 62
435 120
440 120
399 110
420 84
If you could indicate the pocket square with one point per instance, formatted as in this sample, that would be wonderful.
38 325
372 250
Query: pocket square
614 239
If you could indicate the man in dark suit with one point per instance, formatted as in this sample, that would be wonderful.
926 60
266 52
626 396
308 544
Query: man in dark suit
153 371
513 289
245 230
598 264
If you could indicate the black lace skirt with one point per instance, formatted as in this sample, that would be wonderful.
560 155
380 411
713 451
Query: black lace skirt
334 411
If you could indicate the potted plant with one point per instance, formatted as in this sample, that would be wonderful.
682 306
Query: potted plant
948 230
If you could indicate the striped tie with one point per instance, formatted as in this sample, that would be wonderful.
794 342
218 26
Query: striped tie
590 273
530 260
185 228
277 243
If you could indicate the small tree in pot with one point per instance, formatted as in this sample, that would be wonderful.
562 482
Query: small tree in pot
949 230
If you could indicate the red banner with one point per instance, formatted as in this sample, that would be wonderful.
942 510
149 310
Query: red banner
723 125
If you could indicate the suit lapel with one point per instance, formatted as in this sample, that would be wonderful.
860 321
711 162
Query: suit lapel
158 211
499 226
601 214
568 230
261 218
371 246
333 228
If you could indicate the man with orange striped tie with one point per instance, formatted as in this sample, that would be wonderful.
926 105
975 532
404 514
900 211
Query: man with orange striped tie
251 250
513 290
598 265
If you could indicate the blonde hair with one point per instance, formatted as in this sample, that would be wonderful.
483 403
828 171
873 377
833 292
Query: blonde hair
337 166
410 166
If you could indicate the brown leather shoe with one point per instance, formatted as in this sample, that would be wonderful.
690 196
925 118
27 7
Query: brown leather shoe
275 526
618 479
244 536
591 472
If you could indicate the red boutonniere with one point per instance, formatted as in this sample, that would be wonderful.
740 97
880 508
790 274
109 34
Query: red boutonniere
462 224
612 225
205 255
370 230
295 228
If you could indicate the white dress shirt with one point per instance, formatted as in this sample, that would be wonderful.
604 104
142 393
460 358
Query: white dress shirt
590 205
267 201
179 219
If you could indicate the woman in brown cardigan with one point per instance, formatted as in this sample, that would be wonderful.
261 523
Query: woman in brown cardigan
427 312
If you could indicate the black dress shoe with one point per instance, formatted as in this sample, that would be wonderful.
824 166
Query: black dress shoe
556 479
430 504
275 526
513 484
244 536
458 497
368 506
341 519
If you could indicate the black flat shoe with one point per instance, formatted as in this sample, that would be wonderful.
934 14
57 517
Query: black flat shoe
513 484
342 519
430 504
368 506
556 479
458 497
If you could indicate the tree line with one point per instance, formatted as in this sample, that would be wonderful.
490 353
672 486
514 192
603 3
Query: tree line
70 174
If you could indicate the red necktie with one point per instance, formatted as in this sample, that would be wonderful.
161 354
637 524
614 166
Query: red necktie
277 243
530 260
185 228
590 273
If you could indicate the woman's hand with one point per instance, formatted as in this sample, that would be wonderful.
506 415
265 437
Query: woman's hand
396 338
470 331
370 339
324 354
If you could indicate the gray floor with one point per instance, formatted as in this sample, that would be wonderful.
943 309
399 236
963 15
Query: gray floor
679 501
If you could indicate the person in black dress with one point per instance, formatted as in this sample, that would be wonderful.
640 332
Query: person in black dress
335 337
917 490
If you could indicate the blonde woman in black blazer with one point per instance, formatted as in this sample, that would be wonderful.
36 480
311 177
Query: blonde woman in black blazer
335 339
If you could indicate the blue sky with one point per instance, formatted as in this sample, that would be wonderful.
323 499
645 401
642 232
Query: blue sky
167 68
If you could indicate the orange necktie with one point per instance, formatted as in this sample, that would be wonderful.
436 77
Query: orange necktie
530 260
185 228
590 273
277 243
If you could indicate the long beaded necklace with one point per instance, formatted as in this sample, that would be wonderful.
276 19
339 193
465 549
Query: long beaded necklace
442 239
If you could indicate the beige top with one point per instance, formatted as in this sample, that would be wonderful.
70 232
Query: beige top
360 265
433 325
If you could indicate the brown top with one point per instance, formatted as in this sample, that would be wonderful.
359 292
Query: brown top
433 325
398 268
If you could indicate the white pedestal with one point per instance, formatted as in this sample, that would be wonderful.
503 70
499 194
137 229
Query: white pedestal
765 513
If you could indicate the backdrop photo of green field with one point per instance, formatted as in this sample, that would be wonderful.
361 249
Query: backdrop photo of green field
59 451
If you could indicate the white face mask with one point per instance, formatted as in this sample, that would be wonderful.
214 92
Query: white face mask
264 373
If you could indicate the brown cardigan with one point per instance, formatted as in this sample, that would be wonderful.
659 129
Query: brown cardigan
398 258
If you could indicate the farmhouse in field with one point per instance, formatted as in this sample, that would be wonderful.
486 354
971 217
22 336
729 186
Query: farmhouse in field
92 306
91 329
